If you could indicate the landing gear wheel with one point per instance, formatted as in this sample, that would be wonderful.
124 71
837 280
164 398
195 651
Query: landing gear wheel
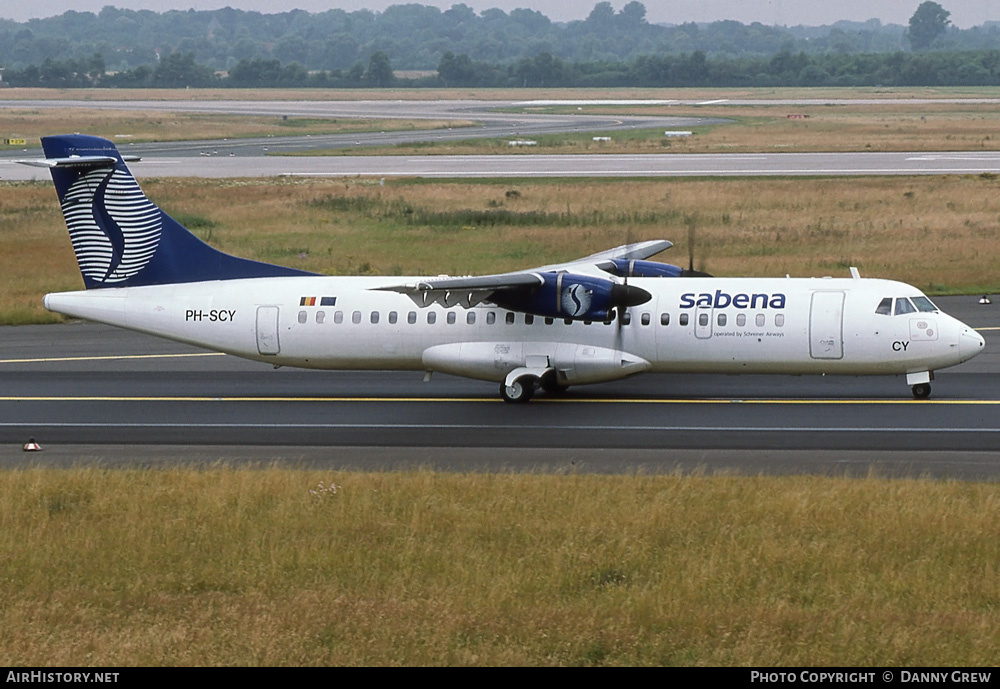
921 391
520 391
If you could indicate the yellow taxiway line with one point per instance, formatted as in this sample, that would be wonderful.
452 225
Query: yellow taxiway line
543 400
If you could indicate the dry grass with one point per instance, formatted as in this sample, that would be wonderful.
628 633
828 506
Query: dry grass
125 126
754 129
938 233
895 127
247 567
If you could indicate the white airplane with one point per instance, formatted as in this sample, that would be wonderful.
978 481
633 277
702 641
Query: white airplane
596 319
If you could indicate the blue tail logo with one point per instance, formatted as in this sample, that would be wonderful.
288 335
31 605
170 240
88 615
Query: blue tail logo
114 228
121 238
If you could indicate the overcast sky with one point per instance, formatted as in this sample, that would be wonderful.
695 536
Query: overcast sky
964 13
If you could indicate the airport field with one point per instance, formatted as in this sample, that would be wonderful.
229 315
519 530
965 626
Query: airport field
271 567
265 566
908 123
938 233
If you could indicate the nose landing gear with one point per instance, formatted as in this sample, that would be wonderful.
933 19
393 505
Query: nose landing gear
920 383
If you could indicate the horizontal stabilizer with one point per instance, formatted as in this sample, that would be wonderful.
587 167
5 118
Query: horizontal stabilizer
72 161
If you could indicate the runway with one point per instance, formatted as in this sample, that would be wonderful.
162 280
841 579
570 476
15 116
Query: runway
92 391
538 166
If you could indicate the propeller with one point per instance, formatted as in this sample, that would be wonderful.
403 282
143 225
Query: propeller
691 272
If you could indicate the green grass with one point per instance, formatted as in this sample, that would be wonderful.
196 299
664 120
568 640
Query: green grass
268 567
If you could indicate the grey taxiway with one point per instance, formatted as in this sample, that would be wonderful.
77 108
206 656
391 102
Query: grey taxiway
98 393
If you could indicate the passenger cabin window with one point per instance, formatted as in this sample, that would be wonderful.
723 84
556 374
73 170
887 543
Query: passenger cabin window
451 318
392 317
509 318
568 321
549 320
491 318
356 317
321 316
884 307
664 319
722 319
338 317
924 304
626 318
779 320
903 305
411 317
741 319
374 317
470 318
529 319
684 319
759 320
431 318
303 316
702 319
644 319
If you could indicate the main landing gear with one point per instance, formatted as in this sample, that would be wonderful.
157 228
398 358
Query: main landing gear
520 390
921 391
521 385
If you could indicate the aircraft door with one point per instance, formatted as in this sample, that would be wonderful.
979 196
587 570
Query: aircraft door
826 325
267 330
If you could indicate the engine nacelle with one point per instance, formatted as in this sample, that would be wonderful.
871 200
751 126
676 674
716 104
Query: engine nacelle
624 268
567 295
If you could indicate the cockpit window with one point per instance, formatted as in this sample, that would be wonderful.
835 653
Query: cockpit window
884 307
903 305
924 304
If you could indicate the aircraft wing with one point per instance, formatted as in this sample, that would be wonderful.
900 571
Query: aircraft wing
472 290
636 251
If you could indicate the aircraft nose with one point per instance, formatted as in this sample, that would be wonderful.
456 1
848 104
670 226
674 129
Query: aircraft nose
970 343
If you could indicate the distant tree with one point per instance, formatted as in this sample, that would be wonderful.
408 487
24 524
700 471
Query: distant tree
530 19
379 70
633 15
355 74
96 67
179 70
602 14
456 71
927 23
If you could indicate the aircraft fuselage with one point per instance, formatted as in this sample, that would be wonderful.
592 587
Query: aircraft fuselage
720 325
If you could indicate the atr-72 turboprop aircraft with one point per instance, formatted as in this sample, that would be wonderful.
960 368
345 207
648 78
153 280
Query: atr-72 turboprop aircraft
596 319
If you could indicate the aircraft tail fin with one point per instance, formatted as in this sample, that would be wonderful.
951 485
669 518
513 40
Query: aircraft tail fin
121 238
